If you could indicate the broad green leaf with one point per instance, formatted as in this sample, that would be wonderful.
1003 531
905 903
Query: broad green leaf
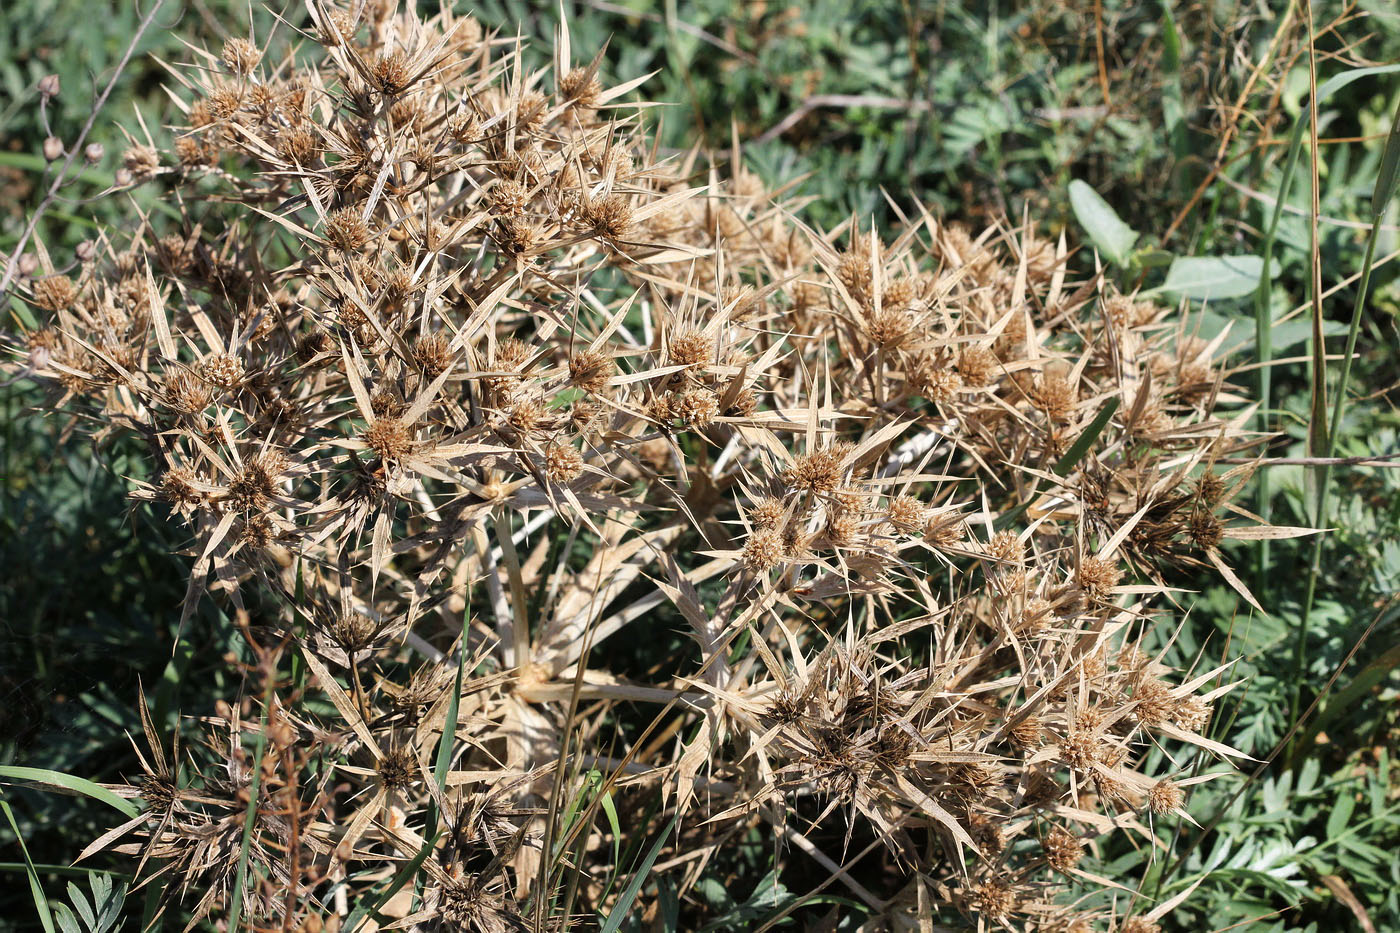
1205 278
1114 238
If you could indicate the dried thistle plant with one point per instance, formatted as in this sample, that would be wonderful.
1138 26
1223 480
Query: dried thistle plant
462 379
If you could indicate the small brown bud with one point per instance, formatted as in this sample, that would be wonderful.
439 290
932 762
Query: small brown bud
53 148
49 87
93 153
86 251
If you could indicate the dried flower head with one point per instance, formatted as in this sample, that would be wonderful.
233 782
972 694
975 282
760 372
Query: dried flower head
240 56
389 438
55 293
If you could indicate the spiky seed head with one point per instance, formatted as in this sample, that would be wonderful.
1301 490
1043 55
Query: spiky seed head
347 230
192 153
187 394
316 343
842 531
527 415
764 550
933 380
1165 796
562 463
580 88
745 405
179 486
1028 734
55 293
468 905
1079 747
509 198
767 512
530 109
1204 529
398 769
697 408
391 74
387 402
240 56
298 146
257 481
1191 713
1097 576
1063 849
1054 395
690 348
222 370
517 237
945 529
978 366
608 216
340 27
890 329
1037 615
1140 924
1153 702
1210 488
142 161
353 631
984 831
590 370
994 898
388 437
433 354
1006 547
855 273
819 471
176 254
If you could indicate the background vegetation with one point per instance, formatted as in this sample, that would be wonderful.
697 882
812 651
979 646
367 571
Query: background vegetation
1177 114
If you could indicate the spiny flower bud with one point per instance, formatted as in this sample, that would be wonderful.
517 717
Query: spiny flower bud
1165 796
689 348
388 437
1062 849
562 463
581 88
55 293
141 161
764 550
347 230
240 56
223 370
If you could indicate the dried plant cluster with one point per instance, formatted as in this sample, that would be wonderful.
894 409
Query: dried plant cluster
453 379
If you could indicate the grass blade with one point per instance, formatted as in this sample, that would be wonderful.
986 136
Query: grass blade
67 783
41 903
629 894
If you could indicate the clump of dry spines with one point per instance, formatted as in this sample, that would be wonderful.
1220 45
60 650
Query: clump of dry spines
445 314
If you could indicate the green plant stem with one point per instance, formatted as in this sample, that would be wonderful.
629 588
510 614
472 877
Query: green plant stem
1264 346
1324 474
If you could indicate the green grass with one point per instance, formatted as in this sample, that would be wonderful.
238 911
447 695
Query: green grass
982 114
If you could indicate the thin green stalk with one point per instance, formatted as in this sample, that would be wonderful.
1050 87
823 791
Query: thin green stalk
1380 197
1264 343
